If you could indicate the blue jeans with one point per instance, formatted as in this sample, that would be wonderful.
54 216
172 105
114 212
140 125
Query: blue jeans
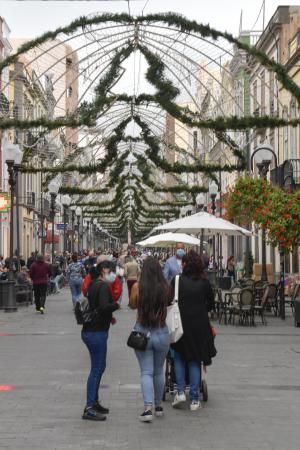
151 363
194 371
96 342
75 286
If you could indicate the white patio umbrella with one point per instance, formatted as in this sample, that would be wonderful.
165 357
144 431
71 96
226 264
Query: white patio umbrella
205 223
169 240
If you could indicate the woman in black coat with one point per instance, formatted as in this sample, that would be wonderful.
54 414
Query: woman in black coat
196 346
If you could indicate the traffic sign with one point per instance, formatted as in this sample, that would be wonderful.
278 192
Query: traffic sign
61 226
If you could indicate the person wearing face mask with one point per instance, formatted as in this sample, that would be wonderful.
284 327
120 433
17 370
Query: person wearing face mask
115 283
95 336
173 265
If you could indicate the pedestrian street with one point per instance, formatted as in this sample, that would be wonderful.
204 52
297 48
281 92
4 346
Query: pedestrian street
253 388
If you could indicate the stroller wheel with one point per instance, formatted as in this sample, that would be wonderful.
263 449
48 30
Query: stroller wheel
204 391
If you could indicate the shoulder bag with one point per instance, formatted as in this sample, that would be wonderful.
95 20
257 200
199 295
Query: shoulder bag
173 320
138 340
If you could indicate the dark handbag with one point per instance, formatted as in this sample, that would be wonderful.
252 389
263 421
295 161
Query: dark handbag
138 340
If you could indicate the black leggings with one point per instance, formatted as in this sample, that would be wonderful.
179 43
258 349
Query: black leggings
40 291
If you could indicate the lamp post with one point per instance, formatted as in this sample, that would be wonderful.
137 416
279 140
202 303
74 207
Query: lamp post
53 190
263 157
65 200
200 201
13 161
78 215
73 210
95 221
213 191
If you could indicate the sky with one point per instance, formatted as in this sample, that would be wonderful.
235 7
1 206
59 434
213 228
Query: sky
31 18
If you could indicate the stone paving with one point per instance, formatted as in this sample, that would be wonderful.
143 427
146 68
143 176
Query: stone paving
254 388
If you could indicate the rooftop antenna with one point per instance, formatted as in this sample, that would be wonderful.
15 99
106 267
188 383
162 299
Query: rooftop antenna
264 13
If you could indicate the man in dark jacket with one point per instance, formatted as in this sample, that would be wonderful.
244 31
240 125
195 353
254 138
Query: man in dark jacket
39 273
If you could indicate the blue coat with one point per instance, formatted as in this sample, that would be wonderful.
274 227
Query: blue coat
172 268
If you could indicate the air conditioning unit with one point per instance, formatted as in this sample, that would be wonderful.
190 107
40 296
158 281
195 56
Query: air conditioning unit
30 199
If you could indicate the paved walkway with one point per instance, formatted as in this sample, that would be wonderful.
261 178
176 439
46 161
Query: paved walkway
254 389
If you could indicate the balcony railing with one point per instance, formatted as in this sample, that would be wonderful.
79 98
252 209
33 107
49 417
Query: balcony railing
287 175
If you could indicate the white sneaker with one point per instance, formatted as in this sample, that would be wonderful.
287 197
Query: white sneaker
195 405
179 399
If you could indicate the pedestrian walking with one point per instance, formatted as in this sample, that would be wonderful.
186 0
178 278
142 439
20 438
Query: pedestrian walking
173 264
150 296
196 346
95 336
40 272
131 272
75 274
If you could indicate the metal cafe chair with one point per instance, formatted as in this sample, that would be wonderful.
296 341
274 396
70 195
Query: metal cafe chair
245 308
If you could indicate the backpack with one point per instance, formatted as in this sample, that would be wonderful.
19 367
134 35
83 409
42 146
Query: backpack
84 315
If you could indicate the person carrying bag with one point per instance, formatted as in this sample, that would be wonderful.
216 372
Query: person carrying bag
196 345
150 337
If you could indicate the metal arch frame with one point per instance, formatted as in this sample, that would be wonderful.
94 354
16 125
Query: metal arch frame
155 122
83 70
197 36
198 65
68 54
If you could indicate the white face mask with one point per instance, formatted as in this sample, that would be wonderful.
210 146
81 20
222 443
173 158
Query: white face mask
110 277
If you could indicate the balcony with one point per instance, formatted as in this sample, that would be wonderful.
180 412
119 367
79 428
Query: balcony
287 175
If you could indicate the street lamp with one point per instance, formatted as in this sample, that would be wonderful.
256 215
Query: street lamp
95 221
200 201
13 160
78 215
53 190
263 156
213 191
65 200
73 210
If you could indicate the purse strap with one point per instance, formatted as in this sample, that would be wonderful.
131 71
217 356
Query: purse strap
176 289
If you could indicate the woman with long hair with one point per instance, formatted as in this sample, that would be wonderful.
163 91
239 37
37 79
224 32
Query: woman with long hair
151 304
196 346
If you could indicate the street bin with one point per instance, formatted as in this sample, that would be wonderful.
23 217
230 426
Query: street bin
3 292
297 312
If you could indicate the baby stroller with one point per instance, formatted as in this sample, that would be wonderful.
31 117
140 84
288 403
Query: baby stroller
170 380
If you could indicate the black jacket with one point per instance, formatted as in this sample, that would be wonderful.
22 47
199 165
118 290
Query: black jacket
100 298
196 299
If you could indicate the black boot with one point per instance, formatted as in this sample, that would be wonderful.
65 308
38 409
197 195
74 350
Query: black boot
101 409
90 413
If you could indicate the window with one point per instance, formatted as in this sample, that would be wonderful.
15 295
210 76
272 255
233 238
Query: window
263 93
255 103
285 135
272 94
69 61
293 131
69 91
